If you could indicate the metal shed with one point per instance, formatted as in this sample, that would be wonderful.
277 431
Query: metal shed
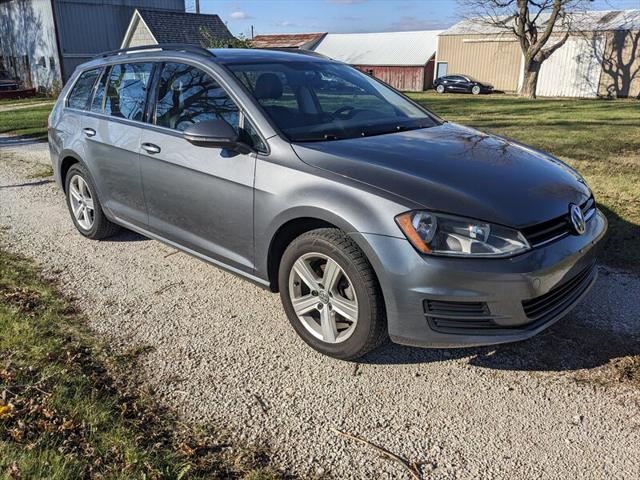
43 41
600 58
404 60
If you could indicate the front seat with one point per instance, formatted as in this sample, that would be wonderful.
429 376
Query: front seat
269 88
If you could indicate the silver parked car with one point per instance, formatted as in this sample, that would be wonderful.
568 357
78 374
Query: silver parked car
370 215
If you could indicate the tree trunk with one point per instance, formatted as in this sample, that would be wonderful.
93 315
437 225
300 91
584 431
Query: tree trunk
530 80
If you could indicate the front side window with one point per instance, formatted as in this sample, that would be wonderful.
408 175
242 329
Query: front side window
83 88
187 95
127 90
315 101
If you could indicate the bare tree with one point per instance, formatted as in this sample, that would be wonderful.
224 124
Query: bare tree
533 22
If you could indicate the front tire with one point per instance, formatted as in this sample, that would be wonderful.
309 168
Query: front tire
475 90
331 295
440 89
84 205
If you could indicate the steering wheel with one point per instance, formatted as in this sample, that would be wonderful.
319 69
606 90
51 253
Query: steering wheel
346 111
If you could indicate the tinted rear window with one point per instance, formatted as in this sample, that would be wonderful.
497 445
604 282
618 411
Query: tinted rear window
81 92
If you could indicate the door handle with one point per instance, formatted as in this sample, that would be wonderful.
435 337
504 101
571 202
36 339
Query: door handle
150 148
89 132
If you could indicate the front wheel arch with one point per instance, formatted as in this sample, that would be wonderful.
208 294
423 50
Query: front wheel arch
283 237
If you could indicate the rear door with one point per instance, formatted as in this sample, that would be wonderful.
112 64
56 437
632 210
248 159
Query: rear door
113 129
456 83
199 197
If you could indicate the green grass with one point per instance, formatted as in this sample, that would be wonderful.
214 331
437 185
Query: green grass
25 101
25 121
69 408
599 138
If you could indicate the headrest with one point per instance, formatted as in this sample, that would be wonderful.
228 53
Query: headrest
268 87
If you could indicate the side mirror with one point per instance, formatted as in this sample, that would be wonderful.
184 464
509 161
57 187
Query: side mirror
212 133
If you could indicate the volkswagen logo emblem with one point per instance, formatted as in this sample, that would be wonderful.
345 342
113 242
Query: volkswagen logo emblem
577 219
323 296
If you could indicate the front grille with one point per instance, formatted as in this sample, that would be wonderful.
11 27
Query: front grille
453 317
559 298
557 228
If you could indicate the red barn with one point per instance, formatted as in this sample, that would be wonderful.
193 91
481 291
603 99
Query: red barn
404 60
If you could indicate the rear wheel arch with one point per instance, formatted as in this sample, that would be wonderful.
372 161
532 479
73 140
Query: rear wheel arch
67 162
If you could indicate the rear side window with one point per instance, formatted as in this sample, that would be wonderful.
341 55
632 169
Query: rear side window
127 90
187 95
79 96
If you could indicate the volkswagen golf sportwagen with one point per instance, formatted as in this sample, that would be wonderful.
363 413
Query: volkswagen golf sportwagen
371 216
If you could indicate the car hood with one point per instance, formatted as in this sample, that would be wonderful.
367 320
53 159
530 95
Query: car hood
458 170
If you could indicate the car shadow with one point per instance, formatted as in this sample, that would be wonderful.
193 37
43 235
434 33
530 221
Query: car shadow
125 235
590 336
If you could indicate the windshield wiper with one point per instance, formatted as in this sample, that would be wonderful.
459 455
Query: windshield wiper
317 138
394 129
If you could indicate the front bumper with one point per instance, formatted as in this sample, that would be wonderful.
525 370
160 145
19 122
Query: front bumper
554 277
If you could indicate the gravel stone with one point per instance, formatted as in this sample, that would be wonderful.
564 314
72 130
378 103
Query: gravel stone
221 352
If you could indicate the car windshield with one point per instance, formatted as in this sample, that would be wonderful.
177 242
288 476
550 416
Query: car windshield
316 101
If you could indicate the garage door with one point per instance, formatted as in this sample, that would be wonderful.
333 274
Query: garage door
573 70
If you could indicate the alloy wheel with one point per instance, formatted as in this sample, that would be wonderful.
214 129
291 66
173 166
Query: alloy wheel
323 298
81 202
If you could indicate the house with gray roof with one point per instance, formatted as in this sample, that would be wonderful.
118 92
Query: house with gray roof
149 27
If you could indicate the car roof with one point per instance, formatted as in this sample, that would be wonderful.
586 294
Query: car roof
217 55
240 55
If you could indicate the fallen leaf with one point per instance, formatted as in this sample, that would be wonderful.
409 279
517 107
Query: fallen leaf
5 410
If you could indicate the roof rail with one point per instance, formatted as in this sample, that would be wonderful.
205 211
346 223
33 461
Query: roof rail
180 47
299 51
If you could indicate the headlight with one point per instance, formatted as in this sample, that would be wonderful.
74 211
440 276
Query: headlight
439 234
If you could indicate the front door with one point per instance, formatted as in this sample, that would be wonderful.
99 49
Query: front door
199 197
113 139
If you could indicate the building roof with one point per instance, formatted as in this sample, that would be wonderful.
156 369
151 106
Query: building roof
292 40
386 48
178 27
592 21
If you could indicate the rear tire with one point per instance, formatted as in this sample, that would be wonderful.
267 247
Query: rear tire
84 205
440 89
338 288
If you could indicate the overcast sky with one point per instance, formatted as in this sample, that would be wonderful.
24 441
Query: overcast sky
340 16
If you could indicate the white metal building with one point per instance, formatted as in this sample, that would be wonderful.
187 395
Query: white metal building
601 57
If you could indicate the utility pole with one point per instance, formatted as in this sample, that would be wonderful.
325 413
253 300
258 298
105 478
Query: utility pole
251 32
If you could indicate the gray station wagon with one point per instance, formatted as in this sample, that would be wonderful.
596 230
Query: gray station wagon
370 215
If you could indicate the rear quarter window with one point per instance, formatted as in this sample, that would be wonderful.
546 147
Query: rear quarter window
81 92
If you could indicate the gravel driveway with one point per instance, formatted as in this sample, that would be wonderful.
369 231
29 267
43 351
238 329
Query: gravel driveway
562 405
